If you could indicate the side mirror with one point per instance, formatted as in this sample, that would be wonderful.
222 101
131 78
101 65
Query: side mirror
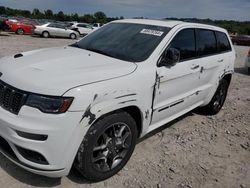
169 58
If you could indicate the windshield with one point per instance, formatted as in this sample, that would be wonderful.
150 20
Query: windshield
125 41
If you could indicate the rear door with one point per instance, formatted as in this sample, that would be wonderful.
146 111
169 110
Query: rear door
212 60
52 29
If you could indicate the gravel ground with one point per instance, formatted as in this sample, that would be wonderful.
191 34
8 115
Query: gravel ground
193 151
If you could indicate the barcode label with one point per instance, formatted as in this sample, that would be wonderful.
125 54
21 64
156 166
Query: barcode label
152 32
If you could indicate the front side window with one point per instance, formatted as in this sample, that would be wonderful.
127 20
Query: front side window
54 25
223 42
125 41
184 41
206 42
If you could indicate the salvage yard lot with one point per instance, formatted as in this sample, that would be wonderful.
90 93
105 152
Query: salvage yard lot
193 151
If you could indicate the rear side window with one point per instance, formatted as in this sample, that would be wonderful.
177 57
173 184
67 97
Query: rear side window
206 42
52 25
184 41
223 42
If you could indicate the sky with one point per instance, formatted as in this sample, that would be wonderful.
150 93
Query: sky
213 9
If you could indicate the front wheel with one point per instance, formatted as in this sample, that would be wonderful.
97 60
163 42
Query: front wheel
107 146
218 99
20 31
45 34
73 36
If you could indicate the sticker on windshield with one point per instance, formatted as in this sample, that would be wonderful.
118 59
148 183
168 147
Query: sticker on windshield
152 32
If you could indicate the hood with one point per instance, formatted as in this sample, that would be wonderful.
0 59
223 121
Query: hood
53 71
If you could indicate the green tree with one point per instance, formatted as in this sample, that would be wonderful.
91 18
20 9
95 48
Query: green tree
75 17
37 14
100 17
25 13
60 16
2 10
49 14
88 18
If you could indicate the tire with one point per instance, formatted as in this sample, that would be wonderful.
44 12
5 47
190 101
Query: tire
45 34
218 99
73 36
102 153
20 31
248 70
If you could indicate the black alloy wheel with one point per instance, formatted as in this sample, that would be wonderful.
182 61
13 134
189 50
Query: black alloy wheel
218 99
107 146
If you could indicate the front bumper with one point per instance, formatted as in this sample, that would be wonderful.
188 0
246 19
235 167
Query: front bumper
48 143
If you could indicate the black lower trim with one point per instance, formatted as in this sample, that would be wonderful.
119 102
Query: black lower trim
37 137
25 165
7 151
165 108
32 156
128 95
181 101
170 106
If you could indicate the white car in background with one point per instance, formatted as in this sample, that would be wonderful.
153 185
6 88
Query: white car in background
82 28
55 30
97 25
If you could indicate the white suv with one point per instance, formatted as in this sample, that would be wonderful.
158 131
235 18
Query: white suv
82 28
87 104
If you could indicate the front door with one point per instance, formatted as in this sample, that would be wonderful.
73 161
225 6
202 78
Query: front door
177 87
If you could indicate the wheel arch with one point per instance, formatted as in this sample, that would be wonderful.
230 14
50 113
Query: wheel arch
72 33
46 32
227 77
132 110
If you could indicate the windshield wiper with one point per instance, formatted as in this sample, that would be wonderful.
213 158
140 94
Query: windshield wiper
98 51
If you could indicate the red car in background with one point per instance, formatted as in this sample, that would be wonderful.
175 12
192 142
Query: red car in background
241 40
22 27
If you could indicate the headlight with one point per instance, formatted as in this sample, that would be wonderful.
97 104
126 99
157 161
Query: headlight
49 104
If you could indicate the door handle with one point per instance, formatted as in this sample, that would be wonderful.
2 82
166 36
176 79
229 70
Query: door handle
195 67
221 60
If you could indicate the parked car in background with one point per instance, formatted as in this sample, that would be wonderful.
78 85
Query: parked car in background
22 27
88 103
82 28
55 30
97 25
248 61
243 40
3 25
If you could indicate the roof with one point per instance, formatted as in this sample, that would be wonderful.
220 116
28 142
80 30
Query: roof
168 23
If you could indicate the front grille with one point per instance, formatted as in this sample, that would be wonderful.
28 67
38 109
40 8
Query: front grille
11 99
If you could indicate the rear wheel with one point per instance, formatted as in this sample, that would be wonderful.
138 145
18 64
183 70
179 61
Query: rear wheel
218 99
73 36
45 34
20 31
107 146
249 70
